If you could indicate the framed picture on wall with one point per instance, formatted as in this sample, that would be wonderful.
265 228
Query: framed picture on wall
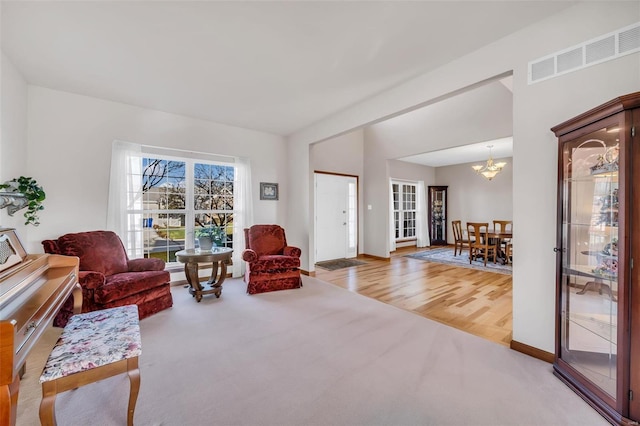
268 191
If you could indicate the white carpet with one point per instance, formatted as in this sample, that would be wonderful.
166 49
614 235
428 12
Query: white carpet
318 355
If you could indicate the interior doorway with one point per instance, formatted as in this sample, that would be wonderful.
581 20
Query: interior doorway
336 216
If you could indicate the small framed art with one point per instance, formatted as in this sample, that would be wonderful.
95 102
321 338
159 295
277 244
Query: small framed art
268 191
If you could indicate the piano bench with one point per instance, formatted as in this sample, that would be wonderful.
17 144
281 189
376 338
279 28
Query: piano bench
93 346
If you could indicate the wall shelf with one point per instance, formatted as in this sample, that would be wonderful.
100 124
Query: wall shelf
13 201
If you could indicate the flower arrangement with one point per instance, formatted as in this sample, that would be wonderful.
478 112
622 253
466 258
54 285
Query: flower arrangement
215 234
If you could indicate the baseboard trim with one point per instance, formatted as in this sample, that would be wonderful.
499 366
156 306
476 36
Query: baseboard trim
307 273
531 351
371 256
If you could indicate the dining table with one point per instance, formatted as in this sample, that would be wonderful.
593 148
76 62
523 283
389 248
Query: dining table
499 236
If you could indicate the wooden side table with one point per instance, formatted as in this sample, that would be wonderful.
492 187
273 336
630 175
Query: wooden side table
219 257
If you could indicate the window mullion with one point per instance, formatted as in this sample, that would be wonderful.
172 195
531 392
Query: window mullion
190 205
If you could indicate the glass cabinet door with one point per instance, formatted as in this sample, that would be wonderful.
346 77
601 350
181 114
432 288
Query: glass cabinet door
438 215
589 269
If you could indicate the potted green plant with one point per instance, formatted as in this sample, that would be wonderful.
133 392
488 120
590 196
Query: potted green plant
210 236
33 195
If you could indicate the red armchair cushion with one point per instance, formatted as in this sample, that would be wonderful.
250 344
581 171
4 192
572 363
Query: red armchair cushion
100 251
51 246
118 286
266 239
249 255
91 280
292 251
146 264
275 263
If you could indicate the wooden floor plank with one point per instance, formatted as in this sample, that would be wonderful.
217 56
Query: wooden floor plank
471 300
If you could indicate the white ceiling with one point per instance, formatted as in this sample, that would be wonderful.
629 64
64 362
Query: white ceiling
270 66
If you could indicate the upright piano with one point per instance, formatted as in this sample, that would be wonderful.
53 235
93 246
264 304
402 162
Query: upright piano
33 287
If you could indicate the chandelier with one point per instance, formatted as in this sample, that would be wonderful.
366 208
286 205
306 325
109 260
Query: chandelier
491 169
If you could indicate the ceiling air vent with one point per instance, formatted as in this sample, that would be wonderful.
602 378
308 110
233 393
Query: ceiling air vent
600 50
543 69
570 60
629 40
604 48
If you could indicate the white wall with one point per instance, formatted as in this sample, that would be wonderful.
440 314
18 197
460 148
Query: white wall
342 154
13 138
411 171
69 152
536 108
472 198
452 122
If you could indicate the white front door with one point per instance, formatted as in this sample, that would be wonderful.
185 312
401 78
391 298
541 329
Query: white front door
335 216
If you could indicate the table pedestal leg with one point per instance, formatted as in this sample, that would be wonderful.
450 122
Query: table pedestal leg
215 281
191 271
598 284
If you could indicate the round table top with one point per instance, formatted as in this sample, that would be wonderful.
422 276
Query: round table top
197 255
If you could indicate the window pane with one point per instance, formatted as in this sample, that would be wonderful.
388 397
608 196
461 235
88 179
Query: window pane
396 196
164 235
202 202
396 220
409 224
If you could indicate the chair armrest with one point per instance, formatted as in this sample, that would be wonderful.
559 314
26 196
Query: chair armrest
292 251
91 279
145 264
249 255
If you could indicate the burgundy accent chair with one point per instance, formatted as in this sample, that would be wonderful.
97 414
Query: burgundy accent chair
271 264
109 278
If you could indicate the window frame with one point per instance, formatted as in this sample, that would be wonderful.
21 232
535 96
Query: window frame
400 199
189 211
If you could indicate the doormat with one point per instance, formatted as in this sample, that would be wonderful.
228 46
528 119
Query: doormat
445 255
332 265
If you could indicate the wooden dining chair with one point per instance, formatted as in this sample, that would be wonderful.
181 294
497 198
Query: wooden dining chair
480 245
505 243
460 241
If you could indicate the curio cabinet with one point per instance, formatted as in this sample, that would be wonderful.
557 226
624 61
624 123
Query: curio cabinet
438 215
598 286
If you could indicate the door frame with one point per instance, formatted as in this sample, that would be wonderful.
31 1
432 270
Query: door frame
315 209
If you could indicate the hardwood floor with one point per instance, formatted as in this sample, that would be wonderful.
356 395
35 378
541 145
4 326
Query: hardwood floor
474 301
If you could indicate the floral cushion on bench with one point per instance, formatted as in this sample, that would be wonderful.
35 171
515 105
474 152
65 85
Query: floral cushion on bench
94 339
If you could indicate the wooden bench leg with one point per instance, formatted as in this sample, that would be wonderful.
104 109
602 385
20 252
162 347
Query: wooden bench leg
134 378
9 400
48 404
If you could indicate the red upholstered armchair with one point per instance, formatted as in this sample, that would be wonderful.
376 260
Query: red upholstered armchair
271 263
109 278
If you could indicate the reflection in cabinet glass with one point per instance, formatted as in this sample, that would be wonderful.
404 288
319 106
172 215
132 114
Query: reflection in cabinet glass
596 189
591 259
438 215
